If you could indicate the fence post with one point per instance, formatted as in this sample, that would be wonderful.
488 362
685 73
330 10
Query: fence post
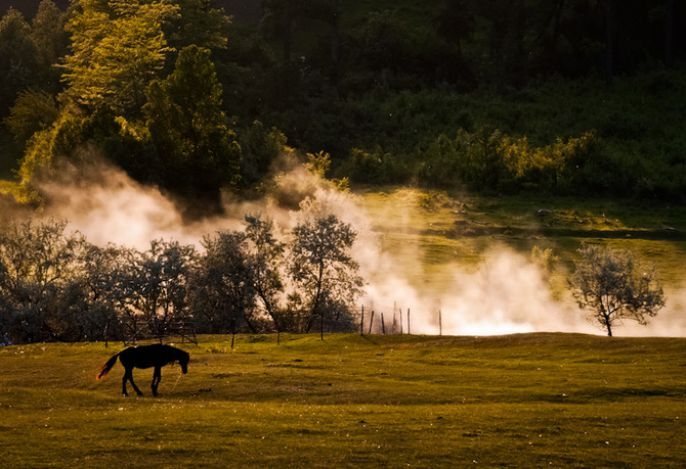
383 325
233 332
409 331
440 323
371 323
400 311
362 322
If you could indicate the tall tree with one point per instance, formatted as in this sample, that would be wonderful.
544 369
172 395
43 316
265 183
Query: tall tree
50 38
221 289
18 58
265 255
609 9
33 111
117 47
323 269
199 23
156 285
279 21
669 15
189 129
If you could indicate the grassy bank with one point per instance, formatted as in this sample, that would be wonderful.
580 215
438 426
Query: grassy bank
524 400
439 229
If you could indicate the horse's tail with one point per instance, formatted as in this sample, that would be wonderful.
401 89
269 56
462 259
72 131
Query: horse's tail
107 367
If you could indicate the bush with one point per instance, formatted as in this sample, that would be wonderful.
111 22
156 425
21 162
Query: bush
260 146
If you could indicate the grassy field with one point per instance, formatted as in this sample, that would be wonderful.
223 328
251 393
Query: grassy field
440 229
512 401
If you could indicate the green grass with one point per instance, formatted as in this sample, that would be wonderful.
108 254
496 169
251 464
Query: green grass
511 401
442 229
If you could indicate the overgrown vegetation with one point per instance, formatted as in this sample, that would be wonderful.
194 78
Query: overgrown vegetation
565 97
55 286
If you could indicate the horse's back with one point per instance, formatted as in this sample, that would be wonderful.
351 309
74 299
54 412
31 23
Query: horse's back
148 356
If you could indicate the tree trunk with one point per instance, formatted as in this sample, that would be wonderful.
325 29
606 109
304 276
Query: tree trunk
233 332
251 326
608 325
609 40
556 27
335 44
669 32
362 321
317 298
287 37
321 326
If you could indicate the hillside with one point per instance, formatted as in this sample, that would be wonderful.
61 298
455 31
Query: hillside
516 401
562 98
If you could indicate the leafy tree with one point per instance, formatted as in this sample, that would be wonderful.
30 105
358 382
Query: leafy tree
50 39
38 264
189 128
279 22
385 43
323 270
59 140
32 112
612 288
117 47
221 289
18 58
265 255
155 285
102 292
6 309
260 146
200 23
455 21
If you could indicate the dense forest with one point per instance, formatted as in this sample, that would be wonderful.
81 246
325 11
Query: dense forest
578 97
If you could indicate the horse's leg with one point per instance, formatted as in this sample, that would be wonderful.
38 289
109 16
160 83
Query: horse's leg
133 384
156 378
123 383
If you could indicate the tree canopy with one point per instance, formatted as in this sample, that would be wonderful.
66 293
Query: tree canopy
613 288
554 94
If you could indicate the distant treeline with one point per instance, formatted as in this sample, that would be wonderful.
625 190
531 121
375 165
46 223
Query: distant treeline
564 97
56 286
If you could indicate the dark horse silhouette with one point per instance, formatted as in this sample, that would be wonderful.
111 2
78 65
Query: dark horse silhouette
146 356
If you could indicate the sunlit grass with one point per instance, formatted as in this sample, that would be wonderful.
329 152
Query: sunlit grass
524 400
423 228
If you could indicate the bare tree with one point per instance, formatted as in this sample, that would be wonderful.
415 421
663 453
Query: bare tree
612 287
323 270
